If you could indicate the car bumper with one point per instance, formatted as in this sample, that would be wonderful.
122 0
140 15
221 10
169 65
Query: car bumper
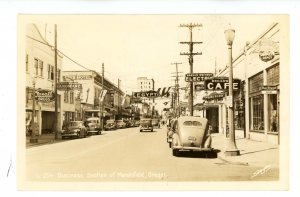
149 129
93 131
191 148
68 134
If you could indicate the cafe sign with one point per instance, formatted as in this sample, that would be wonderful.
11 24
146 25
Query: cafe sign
44 96
221 83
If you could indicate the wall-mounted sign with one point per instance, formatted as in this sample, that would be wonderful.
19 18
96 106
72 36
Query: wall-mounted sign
44 95
197 77
269 90
221 83
77 77
69 86
199 87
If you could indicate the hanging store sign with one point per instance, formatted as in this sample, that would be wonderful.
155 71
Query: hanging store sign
199 87
44 95
148 94
269 90
267 49
197 77
69 86
221 83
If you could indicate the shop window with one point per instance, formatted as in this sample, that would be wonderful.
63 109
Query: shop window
41 67
273 113
257 119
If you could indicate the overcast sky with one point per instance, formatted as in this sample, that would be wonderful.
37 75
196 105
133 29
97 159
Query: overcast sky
132 46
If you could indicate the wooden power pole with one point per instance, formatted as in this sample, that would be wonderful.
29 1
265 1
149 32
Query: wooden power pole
191 55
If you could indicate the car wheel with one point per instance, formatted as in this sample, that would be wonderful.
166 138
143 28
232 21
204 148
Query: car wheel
99 132
175 152
141 130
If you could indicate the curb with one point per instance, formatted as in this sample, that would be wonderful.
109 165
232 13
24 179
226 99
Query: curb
232 162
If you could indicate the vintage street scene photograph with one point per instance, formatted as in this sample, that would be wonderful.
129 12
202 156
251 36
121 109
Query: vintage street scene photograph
153 99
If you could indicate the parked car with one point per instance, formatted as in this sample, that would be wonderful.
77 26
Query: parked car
120 124
74 129
132 123
146 124
171 130
137 123
127 122
191 133
156 123
110 125
93 126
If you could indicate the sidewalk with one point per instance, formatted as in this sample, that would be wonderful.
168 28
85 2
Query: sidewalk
251 152
42 139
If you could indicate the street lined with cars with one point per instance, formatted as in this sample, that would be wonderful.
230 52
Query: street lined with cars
128 155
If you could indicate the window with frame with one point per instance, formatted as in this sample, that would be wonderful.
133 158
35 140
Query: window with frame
255 83
36 66
66 97
71 97
273 75
27 63
257 119
41 67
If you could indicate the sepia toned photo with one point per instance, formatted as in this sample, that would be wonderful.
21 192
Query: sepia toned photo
153 102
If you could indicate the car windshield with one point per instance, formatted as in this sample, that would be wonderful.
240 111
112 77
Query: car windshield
92 121
192 123
155 120
119 121
145 121
75 124
110 121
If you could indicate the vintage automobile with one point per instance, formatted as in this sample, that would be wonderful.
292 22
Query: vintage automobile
191 133
120 124
93 125
110 125
137 123
74 129
171 131
156 123
146 124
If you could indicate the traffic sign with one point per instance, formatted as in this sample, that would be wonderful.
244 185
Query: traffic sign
221 83
197 77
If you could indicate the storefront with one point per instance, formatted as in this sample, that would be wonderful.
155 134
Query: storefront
264 103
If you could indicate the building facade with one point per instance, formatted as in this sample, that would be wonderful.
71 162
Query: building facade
40 73
257 103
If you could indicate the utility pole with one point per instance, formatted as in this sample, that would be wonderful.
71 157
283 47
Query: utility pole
177 86
191 55
102 103
119 111
153 105
55 85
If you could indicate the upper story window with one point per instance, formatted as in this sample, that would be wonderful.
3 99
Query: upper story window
38 65
273 75
50 72
71 97
66 97
27 57
255 83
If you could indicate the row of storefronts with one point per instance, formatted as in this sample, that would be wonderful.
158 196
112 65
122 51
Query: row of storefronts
80 96
257 102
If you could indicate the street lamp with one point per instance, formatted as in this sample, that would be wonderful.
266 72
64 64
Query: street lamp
33 125
231 148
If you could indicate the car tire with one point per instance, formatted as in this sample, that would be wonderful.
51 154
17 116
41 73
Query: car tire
175 152
99 132
141 130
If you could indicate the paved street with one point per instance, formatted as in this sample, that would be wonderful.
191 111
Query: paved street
128 155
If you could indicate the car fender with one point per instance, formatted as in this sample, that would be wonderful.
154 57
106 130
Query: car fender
175 140
207 142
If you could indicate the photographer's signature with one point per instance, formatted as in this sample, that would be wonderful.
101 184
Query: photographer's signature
261 171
